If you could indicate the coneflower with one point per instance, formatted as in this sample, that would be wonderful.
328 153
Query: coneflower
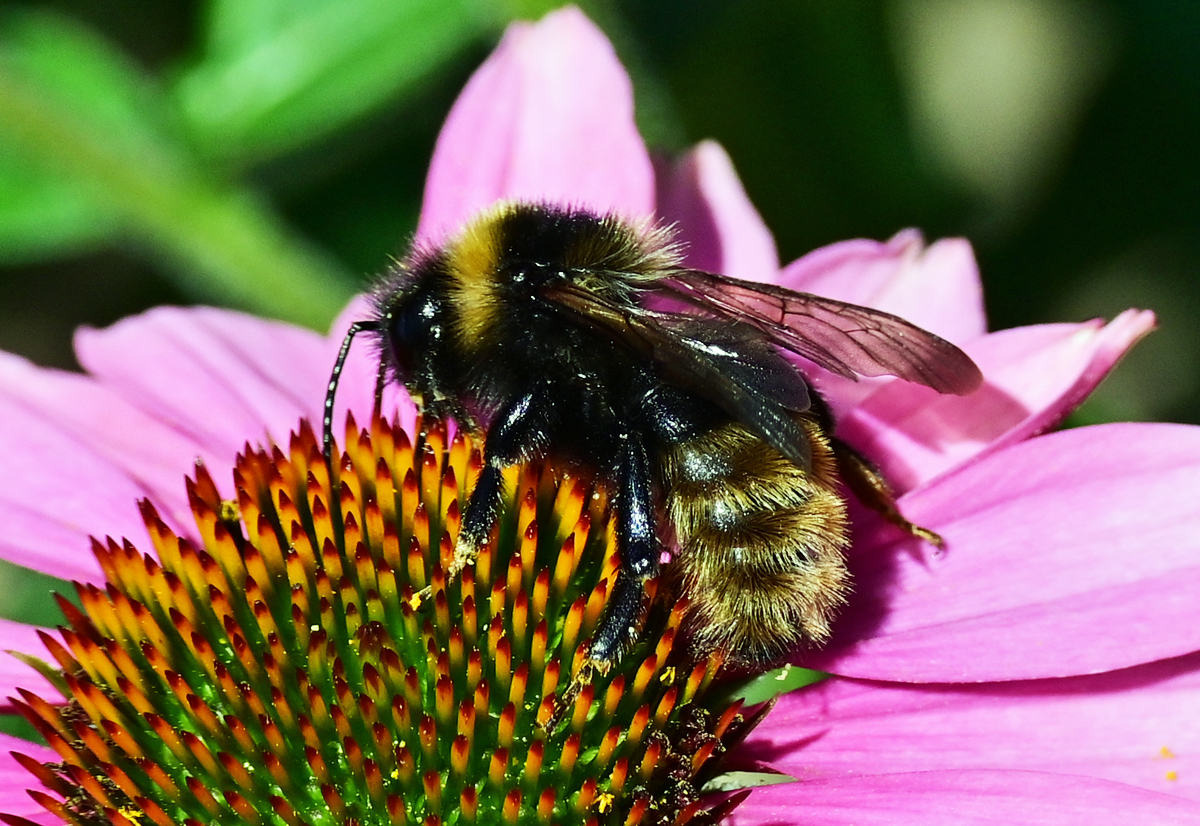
284 671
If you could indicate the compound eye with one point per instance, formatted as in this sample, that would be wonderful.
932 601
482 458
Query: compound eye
412 329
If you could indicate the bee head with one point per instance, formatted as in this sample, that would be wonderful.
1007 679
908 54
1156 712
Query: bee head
413 328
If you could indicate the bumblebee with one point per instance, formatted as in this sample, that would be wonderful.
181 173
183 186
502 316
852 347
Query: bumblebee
560 331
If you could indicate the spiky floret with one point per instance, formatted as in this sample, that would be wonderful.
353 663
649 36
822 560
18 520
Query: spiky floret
277 672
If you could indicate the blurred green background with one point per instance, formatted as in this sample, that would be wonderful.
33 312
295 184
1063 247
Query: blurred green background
269 154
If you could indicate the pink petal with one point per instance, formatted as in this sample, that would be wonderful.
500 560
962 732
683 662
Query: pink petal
219 377
548 117
17 636
1035 376
1074 553
934 287
1134 726
56 491
961 798
132 452
14 780
700 194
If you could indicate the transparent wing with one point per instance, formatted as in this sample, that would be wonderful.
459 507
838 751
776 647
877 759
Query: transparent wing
844 338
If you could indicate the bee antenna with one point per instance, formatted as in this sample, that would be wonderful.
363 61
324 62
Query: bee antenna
380 381
331 392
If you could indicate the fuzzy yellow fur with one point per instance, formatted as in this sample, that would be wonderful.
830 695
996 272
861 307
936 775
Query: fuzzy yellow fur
761 542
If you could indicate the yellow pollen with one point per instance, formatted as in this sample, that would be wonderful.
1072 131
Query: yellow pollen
604 803
1171 775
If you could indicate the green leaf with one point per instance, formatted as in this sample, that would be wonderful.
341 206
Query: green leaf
41 214
77 70
239 26
771 684
277 75
732 781
83 123
42 210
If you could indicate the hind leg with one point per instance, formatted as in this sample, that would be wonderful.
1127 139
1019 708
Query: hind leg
868 485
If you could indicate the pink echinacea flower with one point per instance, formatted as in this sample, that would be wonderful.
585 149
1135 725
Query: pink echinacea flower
1043 668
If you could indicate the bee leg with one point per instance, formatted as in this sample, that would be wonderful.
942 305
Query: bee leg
638 545
517 434
868 485
637 542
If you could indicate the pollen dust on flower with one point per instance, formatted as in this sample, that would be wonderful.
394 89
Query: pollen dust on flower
278 671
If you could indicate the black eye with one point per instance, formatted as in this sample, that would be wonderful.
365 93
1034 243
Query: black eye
412 328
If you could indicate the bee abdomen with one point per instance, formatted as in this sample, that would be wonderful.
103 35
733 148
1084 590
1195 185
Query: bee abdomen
761 542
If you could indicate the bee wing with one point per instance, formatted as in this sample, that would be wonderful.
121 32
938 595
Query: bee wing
730 365
844 338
